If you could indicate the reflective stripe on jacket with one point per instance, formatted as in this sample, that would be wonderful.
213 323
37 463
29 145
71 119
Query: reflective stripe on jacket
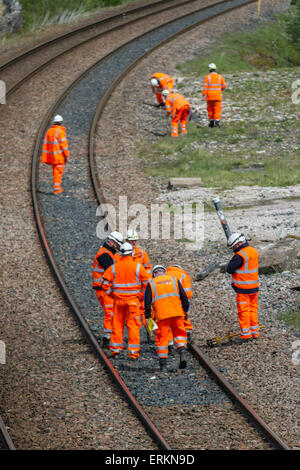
166 301
246 277
55 147
213 86
125 279
174 102
165 81
184 279
98 270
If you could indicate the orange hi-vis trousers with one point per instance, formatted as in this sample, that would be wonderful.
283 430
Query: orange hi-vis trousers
126 311
182 116
176 324
247 306
58 170
214 108
107 304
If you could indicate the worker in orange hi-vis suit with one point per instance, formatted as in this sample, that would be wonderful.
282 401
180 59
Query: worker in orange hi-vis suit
56 152
179 107
165 295
139 256
103 260
125 282
213 86
176 271
160 82
244 269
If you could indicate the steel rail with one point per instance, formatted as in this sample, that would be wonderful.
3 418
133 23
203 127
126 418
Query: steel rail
5 437
158 438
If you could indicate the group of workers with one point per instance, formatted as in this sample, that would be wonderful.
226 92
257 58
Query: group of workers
130 292
179 108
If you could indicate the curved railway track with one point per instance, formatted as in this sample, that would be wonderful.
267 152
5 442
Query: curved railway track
66 105
5 439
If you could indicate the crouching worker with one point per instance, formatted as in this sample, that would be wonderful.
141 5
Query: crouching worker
169 303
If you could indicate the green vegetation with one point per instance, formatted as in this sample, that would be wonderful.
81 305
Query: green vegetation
292 317
268 46
52 11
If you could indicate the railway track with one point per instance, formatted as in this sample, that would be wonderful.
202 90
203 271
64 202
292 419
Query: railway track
69 103
5 439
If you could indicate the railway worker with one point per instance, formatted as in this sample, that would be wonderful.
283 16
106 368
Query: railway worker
125 282
103 260
139 256
159 82
56 151
214 84
176 271
179 108
165 295
244 269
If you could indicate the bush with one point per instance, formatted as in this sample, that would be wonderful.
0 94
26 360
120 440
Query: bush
293 24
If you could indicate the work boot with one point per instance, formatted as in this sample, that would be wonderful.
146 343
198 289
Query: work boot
243 340
105 342
162 364
183 361
211 123
217 123
171 350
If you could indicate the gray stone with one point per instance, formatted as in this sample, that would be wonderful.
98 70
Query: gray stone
279 256
184 183
12 20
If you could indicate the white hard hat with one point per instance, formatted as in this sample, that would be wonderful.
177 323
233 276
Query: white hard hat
154 82
212 66
132 235
165 92
126 249
58 118
116 237
158 267
235 238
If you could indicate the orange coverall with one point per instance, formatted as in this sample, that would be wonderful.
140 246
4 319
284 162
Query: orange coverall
56 153
179 107
125 281
246 284
214 84
165 83
186 283
168 312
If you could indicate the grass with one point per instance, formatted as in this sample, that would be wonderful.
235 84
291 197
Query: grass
292 317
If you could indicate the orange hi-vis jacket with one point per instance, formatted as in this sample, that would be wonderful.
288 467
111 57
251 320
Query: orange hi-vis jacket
55 148
139 256
165 81
184 279
98 270
214 84
246 277
166 301
125 279
174 102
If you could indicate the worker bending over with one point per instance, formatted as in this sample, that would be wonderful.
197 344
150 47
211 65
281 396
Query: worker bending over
103 260
244 269
56 151
160 82
125 282
213 86
179 108
166 296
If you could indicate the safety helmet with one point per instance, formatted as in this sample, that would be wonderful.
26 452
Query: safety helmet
235 238
212 66
58 118
175 266
154 82
132 235
116 237
158 267
165 92
126 249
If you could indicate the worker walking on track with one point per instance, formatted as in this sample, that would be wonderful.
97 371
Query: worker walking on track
179 108
166 296
56 151
213 86
125 282
160 82
176 271
102 261
244 269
